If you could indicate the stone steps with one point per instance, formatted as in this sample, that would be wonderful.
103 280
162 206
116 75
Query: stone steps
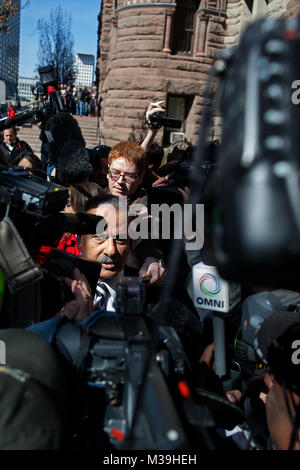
88 126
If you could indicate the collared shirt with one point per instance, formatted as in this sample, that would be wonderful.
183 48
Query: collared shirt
10 147
108 290
11 151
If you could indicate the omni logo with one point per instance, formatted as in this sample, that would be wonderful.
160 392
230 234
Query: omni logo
209 285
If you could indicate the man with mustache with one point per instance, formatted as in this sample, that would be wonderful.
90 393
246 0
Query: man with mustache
109 247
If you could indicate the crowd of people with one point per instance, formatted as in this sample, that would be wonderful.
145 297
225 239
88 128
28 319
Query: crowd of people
77 100
142 174
80 100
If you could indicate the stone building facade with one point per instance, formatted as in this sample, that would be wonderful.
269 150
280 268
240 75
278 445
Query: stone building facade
151 50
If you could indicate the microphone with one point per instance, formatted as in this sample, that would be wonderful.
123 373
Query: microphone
67 147
214 293
211 292
17 121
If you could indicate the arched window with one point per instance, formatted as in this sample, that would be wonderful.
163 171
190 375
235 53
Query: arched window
184 25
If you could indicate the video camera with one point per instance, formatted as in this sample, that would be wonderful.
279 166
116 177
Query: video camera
181 174
256 224
116 350
135 374
180 166
30 213
256 308
48 101
158 120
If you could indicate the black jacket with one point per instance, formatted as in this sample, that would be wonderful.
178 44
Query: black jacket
18 147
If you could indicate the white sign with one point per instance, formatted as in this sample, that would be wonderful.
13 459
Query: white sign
211 292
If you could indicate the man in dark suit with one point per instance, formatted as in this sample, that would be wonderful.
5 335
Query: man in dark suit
12 146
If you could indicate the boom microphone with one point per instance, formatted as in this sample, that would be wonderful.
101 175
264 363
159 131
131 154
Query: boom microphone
67 147
49 229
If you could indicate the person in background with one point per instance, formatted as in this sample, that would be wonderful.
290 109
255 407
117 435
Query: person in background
79 103
63 91
154 157
81 193
178 152
12 146
28 161
11 114
3 159
99 155
99 160
76 201
278 339
86 100
94 102
69 99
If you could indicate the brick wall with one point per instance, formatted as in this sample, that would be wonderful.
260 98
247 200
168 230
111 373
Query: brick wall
137 65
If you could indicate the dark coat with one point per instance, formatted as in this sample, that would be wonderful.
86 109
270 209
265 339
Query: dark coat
18 147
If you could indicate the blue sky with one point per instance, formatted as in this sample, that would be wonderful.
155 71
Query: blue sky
84 28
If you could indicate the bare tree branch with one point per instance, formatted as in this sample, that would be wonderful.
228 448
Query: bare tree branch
56 44
7 9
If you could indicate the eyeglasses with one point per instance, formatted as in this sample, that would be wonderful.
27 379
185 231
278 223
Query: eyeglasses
128 177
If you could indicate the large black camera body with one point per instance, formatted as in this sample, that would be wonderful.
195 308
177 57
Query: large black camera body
181 174
256 308
115 355
158 120
256 227
30 216
47 104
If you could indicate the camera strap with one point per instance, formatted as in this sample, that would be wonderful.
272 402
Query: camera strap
22 277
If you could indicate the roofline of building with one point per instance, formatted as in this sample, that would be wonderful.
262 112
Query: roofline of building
83 53
28 78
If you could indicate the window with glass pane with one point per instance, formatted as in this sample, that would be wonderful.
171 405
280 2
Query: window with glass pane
184 25
178 106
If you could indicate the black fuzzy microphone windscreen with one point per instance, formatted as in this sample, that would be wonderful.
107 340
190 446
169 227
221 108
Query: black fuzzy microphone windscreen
67 147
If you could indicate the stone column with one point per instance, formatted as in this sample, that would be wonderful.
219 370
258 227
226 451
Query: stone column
201 34
223 5
168 31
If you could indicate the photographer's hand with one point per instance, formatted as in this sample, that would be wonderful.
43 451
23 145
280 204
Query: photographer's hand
269 382
185 193
82 306
152 109
208 356
208 360
161 181
154 269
